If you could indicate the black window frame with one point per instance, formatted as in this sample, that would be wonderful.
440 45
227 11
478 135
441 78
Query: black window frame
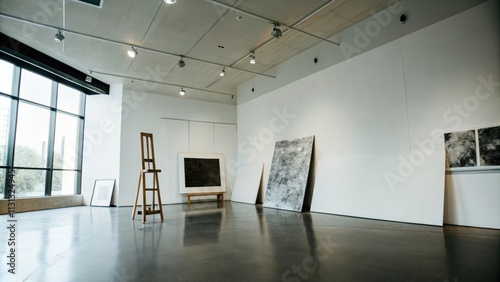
11 140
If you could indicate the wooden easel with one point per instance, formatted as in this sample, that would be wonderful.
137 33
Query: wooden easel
148 166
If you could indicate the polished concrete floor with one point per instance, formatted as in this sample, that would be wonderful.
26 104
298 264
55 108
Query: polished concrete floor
238 242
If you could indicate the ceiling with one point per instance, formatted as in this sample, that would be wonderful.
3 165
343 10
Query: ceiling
207 34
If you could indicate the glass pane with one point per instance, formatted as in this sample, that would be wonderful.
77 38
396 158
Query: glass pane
30 183
10 184
6 74
4 128
2 182
31 136
35 88
66 142
68 99
64 182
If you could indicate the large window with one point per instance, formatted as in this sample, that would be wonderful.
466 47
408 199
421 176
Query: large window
41 133
6 77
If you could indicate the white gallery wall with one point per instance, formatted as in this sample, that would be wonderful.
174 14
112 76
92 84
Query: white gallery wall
374 117
178 125
196 137
101 150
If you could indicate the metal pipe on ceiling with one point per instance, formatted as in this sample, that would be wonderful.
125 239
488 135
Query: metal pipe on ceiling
129 44
270 20
321 8
160 82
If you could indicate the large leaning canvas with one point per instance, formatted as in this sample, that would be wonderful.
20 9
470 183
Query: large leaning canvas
201 173
289 173
247 183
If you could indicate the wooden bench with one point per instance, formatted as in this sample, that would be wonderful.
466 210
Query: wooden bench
220 196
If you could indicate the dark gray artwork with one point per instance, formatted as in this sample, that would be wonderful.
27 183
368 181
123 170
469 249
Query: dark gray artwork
489 146
201 172
461 148
289 172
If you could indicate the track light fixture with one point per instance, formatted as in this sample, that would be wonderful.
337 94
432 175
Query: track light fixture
252 58
183 92
59 36
223 72
132 53
181 63
276 33
170 1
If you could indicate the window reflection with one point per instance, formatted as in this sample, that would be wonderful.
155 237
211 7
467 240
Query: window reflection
69 99
66 141
30 182
35 88
64 182
4 128
2 180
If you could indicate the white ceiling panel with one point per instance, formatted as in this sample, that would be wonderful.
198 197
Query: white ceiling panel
46 12
97 55
123 20
97 38
237 37
356 10
177 28
151 64
283 11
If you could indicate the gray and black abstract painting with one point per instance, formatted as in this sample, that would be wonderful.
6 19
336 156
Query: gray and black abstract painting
201 172
489 146
287 183
461 148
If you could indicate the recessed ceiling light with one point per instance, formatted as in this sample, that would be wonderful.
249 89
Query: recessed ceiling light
170 1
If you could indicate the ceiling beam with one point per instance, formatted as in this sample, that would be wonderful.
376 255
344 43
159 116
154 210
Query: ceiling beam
29 58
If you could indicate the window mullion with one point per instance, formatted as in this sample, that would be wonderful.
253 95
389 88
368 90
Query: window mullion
51 141
80 156
11 142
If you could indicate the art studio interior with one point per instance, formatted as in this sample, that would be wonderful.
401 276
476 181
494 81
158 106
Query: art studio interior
237 140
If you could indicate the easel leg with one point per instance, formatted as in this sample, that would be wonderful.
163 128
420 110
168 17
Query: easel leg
137 196
159 196
144 207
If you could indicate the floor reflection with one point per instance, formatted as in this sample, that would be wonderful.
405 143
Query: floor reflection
202 227
239 242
